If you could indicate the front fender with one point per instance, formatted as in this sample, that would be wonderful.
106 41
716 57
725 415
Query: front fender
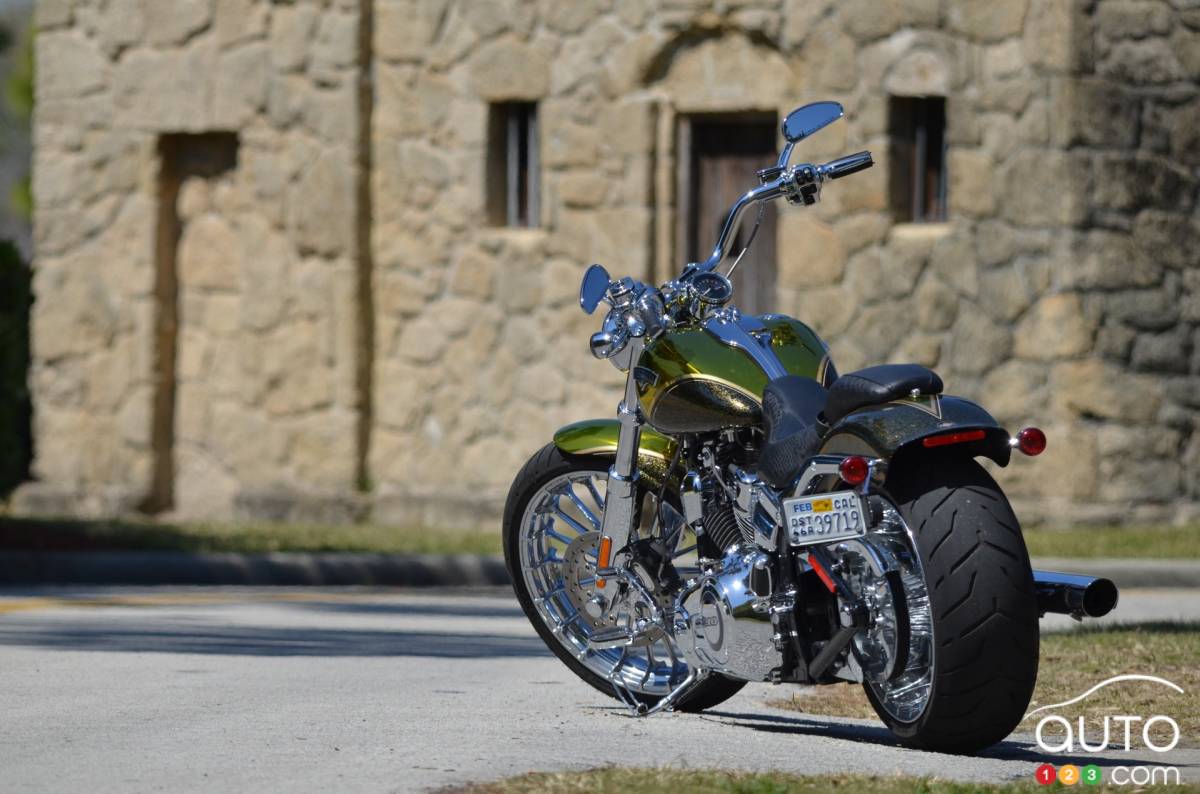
599 437
898 428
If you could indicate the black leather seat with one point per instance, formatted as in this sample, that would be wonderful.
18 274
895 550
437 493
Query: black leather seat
875 385
791 418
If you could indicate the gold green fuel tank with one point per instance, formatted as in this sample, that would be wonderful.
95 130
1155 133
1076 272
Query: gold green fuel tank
691 382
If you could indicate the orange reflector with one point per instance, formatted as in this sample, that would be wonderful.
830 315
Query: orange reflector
953 438
821 574
602 557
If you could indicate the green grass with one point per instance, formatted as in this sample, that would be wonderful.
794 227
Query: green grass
1075 661
1155 542
72 535
614 780
1145 542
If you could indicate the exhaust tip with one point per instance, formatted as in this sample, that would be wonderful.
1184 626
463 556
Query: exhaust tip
1099 598
1074 594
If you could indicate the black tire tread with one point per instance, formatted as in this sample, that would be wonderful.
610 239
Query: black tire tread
983 603
550 462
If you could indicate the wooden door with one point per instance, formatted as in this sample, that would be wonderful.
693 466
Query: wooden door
722 154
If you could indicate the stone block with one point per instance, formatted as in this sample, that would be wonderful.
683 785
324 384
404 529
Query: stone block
1045 188
336 44
68 65
122 25
1186 46
810 253
1132 19
800 17
1110 260
240 85
574 16
509 69
1147 309
173 23
985 20
404 29
919 73
977 344
972 182
209 254
165 90
629 127
953 259
292 28
918 348
1131 183
1167 352
936 304
1055 328
1096 112
322 206
1098 389
582 188
1147 62
1015 390
876 329
49 14
241 20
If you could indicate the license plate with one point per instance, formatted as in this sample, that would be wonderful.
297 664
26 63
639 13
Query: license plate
824 518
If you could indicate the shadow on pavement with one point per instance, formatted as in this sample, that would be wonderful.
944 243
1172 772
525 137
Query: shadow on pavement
266 641
473 610
1011 749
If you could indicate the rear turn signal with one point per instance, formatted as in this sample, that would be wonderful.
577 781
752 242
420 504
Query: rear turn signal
854 469
1031 441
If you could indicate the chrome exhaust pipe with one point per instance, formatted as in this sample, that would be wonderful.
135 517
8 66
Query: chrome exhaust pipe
1074 594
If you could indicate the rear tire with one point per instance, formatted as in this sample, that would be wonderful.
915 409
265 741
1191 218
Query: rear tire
547 465
983 604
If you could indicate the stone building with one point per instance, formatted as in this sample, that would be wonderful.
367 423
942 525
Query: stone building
319 258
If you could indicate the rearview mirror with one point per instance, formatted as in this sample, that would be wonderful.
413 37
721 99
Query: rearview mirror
804 121
591 290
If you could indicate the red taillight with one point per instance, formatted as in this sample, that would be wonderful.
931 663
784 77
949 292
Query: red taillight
953 438
1031 441
854 469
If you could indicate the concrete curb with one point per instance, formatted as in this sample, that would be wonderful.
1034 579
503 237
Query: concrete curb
280 569
273 569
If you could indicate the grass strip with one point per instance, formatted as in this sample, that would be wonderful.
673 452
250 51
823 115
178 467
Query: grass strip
247 538
614 780
1143 542
1073 662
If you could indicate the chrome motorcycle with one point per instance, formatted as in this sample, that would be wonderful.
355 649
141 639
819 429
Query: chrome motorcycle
750 515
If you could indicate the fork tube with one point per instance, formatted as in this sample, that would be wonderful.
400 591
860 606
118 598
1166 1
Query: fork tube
620 500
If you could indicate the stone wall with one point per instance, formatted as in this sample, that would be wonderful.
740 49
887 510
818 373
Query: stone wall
382 337
266 333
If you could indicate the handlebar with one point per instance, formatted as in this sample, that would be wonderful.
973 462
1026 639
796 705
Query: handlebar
639 310
845 166
800 184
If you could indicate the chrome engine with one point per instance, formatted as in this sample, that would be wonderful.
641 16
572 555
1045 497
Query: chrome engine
725 621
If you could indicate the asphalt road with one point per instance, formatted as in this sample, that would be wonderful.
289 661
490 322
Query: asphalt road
351 690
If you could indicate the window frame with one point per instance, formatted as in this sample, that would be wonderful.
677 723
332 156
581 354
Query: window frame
513 165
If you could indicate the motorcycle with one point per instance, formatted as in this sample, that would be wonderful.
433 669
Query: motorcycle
750 515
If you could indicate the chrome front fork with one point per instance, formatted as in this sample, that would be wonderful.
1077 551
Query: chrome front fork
620 502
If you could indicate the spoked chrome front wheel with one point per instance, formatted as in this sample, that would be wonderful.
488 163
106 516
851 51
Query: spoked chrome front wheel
552 530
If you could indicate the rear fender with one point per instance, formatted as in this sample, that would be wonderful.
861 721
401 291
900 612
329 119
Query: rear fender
599 437
899 429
